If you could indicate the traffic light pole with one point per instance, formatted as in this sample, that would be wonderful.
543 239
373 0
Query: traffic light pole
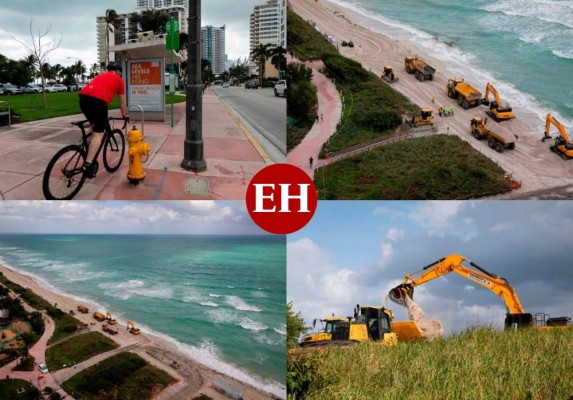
193 148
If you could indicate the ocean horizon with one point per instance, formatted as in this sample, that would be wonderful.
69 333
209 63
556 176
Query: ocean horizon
522 47
219 299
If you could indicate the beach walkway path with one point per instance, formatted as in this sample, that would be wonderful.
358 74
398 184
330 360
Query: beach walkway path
329 112
38 351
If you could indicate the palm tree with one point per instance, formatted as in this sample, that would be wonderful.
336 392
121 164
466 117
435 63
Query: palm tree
152 20
79 70
279 59
260 54
94 69
110 19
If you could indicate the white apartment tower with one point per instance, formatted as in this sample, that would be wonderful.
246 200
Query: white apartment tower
268 24
213 47
125 28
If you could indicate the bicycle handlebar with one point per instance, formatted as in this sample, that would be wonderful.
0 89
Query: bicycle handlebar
125 120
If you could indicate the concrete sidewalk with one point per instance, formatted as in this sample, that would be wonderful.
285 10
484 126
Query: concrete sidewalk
232 154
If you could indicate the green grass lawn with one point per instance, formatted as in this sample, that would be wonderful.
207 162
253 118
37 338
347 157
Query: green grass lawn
9 390
77 349
65 324
479 364
435 167
29 105
124 376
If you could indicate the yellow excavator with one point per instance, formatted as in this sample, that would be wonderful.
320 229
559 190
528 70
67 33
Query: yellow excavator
109 319
324 334
562 145
516 315
497 110
132 329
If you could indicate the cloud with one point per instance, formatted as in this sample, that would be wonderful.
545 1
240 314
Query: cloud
394 234
436 214
203 217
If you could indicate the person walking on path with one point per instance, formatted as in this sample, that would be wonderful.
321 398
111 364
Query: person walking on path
321 117
317 118
310 160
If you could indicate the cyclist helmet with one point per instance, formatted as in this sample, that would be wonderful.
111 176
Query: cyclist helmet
114 66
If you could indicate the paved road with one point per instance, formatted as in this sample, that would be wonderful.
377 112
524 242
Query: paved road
264 112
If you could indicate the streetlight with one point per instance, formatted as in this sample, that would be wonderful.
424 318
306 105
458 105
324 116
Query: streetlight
193 159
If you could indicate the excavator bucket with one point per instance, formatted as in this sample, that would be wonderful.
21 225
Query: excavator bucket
408 331
399 293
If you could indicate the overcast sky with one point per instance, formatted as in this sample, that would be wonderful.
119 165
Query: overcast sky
355 252
122 217
76 22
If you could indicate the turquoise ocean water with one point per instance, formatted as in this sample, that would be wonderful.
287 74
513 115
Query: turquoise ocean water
221 299
524 47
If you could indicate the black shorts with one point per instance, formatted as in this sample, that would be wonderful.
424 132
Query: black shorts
95 111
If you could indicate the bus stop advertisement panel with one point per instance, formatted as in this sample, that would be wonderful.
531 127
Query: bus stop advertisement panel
146 88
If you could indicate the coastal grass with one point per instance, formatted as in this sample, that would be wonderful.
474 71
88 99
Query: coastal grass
77 349
65 324
9 390
124 376
30 106
435 167
480 363
304 41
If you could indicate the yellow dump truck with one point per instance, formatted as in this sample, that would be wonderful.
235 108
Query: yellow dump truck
467 95
419 68
109 329
495 140
83 309
99 316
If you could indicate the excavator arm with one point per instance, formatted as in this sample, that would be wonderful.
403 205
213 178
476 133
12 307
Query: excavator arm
489 88
454 263
550 120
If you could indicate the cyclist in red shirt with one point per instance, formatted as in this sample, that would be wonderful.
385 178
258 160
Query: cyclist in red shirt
94 100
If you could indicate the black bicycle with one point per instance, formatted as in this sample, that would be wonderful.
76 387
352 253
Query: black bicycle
65 174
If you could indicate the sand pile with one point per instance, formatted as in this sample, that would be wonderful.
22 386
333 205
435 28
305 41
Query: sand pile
431 329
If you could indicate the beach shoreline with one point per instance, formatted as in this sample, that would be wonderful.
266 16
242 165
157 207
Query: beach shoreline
150 346
531 162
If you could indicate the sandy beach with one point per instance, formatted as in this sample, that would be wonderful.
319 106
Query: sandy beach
531 162
193 377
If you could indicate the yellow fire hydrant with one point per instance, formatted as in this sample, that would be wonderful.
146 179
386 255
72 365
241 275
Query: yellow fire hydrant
137 148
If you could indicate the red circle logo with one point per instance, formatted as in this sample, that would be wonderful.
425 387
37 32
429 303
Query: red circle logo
281 198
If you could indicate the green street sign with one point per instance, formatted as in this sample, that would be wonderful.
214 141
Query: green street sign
172 41
172 26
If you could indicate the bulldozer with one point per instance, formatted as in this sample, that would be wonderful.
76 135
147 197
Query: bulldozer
370 323
83 309
419 68
423 118
132 329
99 316
325 334
497 110
109 319
388 74
495 140
467 95
562 145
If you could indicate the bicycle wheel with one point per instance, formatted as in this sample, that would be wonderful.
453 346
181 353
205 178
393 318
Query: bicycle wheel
113 150
64 176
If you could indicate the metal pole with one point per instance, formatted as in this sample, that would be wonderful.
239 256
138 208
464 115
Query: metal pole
193 148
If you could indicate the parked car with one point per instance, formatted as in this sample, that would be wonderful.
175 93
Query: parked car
281 88
43 369
9 89
252 84
226 84
56 87
33 88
